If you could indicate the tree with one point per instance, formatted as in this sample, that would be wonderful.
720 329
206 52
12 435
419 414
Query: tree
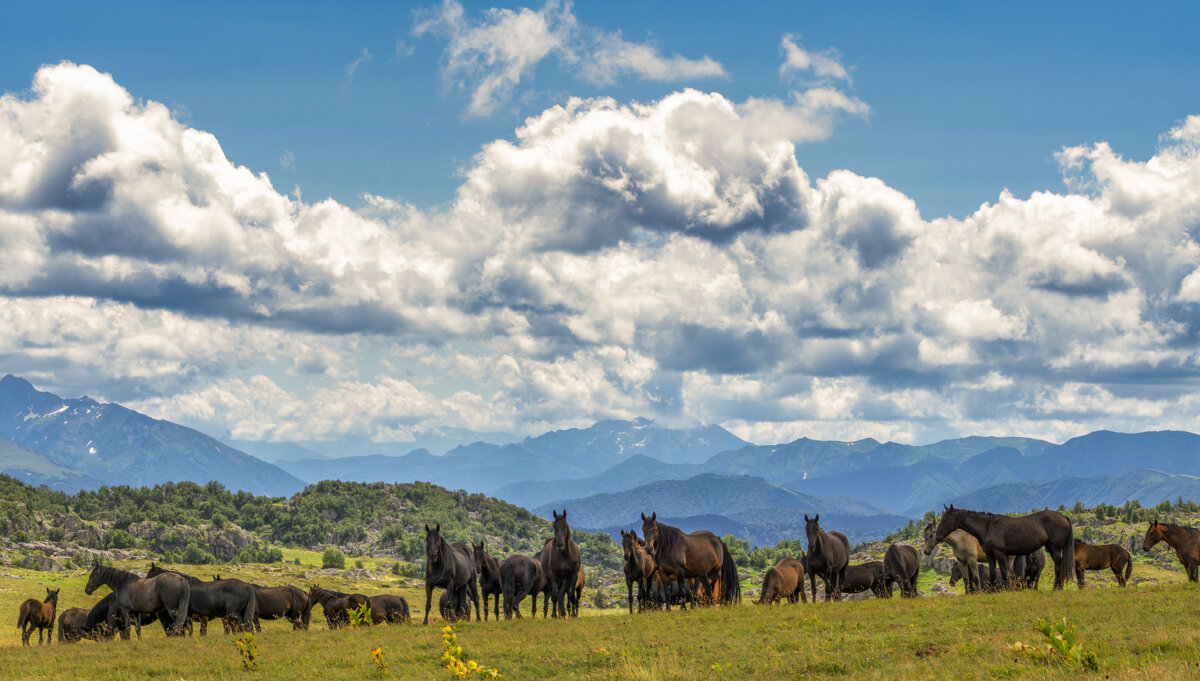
333 558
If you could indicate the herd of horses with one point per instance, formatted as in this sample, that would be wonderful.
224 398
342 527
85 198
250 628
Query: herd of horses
668 566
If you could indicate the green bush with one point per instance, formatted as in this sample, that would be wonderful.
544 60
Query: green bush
118 539
333 558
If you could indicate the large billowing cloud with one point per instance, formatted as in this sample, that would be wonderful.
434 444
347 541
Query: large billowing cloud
667 258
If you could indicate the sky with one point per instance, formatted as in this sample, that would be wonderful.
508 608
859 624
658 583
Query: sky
370 222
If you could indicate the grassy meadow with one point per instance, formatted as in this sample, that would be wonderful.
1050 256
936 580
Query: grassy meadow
1149 631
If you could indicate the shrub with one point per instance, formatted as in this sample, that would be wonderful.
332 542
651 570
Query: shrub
333 558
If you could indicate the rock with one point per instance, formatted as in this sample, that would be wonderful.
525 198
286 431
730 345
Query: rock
226 542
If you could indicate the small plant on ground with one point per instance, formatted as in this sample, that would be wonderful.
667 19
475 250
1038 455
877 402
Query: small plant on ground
360 615
452 658
379 661
249 652
1061 644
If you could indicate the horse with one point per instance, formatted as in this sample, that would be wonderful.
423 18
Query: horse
901 566
1027 569
489 578
217 599
986 582
561 563
35 614
103 620
966 551
864 577
520 576
1185 541
784 580
136 595
1002 536
450 566
828 556
1098 557
452 611
388 608
576 594
336 605
638 567
70 625
699 555
288 602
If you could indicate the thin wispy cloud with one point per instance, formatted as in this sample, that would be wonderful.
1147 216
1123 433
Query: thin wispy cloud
364 58
490 56
797 60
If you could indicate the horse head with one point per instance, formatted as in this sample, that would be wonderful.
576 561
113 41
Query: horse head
929 539
480 556
52 596
562 531
812 530
95 579
952 519
1154 534
650 530
628 543
433 543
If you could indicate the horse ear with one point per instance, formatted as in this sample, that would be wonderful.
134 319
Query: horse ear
564 515
653 515
427 530
805 517
817 518
643 515
554 513
438 528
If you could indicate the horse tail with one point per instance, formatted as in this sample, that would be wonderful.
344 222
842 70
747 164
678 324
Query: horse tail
306 612
731 588
1066 567
23 616
181 612
1128 568
249 612
508 589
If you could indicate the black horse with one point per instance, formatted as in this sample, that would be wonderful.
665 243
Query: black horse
489 578
103 620
287 602
828 556
336 605
520 576
560 562
1027 569
900 567
1002 536
388 608
987 581
449 565
863 577
136 595
217 599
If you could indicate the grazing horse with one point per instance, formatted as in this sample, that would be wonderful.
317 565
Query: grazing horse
966 551
388 608
137 595
986 582
102 620
828 555
865 577
35 614
639 566
452 611
700 555
1185 541
785 580
70 625
1027 569
489 578
901 566
1098 557
217 599
520 576
1002 536
336 605
288 602
561 563
449 565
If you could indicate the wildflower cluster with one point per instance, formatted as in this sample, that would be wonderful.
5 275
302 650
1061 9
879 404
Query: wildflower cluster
360 615
379 661
452 658
249 652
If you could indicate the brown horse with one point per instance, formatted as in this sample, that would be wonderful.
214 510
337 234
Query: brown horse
38 615
828 557
1002 536
70 625
489 578
388 608
639 566
1185 541
561 564
336 605
1092 557
785 580
699 555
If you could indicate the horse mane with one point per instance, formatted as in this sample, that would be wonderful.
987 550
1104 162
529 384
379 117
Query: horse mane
116 576
669 537
190 579
99 611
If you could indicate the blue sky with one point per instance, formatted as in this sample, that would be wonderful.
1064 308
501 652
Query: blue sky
747 231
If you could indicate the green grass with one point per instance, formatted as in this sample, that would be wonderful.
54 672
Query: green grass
1151 631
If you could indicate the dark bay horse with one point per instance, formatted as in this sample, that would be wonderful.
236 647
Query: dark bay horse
336 605
1002 536
828 556
1185 541
449 565
638 568
784 580
1027 569
388 608
561 564
452 611
103 620
865 577
217 599
901 566
35 614
70 625
287 602
520 576
1099 557
137 595
986 581
699 555
489 578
